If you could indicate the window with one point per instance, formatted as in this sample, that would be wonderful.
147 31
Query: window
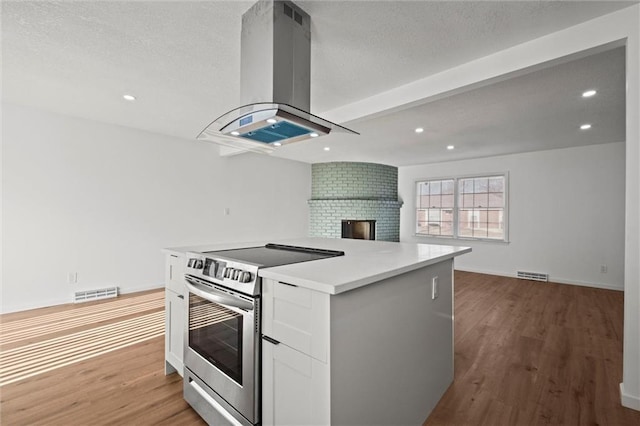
469 207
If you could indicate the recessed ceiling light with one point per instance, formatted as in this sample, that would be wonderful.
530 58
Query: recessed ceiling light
585 127
589 93
234 133
419 130
130 98
450 147
271 120
313 135
326 148
277 144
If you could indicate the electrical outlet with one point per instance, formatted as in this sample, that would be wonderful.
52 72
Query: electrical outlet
603 269
434 288
72 277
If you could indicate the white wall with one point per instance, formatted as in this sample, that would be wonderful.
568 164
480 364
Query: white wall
566 214
102 201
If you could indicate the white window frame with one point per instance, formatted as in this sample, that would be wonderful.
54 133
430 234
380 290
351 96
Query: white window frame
456 210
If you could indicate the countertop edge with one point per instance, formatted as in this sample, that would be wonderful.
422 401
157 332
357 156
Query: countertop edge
272 273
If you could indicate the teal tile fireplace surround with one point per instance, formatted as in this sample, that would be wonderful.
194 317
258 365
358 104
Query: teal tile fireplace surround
354 191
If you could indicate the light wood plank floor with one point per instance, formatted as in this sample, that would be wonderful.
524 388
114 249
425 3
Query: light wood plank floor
526 353
124 386
534 353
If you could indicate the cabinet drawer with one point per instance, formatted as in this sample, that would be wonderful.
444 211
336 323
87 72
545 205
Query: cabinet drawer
174 273
297 317
295 388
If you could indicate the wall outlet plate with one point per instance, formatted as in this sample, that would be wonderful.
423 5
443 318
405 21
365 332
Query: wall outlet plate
434 288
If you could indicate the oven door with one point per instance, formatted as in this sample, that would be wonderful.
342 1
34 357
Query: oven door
222 345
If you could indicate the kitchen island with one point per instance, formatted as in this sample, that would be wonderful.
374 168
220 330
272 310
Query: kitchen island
364 338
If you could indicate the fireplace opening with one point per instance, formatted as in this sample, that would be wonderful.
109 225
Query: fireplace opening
359 229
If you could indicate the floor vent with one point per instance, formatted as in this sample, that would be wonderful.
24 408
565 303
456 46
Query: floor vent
535 276
89 295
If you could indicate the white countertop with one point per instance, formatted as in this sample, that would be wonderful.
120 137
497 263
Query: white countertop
364 262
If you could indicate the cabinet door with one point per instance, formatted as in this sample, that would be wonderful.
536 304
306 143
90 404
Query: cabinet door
297 317
295 387
174 273
174 331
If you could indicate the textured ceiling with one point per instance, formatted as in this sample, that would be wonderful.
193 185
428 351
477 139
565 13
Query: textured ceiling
536 111
181 59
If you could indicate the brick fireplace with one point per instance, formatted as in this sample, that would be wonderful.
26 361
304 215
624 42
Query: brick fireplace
347 191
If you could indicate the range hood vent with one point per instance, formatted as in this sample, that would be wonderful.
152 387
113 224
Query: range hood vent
275 83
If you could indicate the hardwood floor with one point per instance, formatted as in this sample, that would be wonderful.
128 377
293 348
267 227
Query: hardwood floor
534 353
525 353
124 385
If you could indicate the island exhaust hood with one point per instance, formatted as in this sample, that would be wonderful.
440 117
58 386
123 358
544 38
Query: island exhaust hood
275 80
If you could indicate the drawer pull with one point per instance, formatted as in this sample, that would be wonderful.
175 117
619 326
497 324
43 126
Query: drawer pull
270 340
181 296
290 285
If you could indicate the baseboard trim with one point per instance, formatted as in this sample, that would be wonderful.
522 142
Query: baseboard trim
629 401
139 289
551 279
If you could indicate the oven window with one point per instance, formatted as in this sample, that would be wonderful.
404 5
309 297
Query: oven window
215 332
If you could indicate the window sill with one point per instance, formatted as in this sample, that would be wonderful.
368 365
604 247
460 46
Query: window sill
480 240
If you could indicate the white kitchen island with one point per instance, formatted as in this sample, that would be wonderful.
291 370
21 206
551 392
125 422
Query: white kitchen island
361 339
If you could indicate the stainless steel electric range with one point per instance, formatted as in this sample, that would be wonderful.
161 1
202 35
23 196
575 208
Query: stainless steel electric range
222 378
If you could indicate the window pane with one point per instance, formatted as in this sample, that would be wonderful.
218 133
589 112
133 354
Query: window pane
495 216
480 232
495 231
423 188
481 185
496 184
435 201
467 200
435 187
434 215
466 186
481 200
496 200
447 186
446 228
447 201
465 222
465 232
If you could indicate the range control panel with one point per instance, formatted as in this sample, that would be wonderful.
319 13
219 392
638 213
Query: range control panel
234 275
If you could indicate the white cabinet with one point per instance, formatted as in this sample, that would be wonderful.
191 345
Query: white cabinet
295 387
295 369
380 354
175 313
174 273
298 317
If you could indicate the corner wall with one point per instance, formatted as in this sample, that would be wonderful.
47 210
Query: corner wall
566 214
354 191
103 200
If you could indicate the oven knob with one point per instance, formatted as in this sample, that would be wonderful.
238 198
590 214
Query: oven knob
245 277
190 263
228 272
198 264
236 274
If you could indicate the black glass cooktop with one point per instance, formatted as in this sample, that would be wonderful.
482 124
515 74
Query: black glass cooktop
274 254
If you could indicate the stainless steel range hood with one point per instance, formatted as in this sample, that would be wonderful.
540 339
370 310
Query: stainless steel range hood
275 80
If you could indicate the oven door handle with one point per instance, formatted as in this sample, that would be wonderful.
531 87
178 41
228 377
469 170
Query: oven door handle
212 295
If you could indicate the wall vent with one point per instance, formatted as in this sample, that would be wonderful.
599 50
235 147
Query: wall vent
89 295
535 276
